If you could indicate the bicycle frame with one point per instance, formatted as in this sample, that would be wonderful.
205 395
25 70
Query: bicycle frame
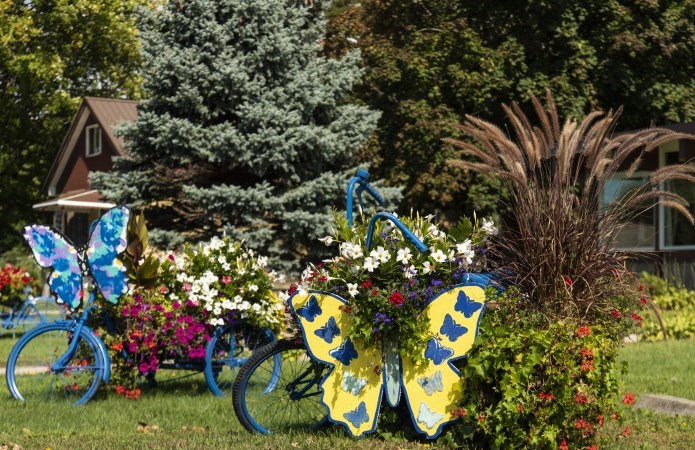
76 326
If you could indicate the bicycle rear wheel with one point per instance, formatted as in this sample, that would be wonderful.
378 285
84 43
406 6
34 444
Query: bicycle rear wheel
229 349
40 369
277 390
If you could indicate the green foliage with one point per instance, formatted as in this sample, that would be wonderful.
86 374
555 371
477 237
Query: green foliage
52 54
668 295
430 63
246 129
533 385
388 285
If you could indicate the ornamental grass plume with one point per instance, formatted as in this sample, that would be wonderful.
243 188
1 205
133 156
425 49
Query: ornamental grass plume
558 245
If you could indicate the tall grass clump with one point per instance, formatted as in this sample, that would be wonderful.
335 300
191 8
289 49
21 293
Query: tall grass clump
558 246
544 371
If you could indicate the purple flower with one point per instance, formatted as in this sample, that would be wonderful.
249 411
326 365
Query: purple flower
382 318
436 283
144 367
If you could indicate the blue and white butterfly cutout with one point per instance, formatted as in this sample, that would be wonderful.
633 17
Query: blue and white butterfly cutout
108 239
359 377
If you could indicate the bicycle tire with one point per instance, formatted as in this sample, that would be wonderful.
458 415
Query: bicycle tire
229 349
277 390
29 374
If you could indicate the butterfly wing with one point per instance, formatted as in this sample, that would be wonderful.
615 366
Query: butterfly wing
310 310
328 331
109 238
433 389
53 250
352 390
451 329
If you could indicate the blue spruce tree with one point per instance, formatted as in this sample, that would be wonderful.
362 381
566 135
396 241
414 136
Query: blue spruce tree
246 128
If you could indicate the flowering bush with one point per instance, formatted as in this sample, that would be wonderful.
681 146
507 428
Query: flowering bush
529 385
388 285
194 291
13 282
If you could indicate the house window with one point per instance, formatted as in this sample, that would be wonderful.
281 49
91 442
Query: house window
676 232
639 232
93 140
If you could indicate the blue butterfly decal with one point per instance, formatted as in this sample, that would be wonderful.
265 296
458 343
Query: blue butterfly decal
358 416
466 306
107 240
345 353
436 352
451 329
432 384
328 331
311 310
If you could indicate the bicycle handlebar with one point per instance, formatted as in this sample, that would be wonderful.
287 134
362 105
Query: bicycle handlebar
406 232
360 178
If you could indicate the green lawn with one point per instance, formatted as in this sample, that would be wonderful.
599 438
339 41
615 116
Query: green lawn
182 415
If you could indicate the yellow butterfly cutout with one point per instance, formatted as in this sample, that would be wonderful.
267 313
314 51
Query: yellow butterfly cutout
353 388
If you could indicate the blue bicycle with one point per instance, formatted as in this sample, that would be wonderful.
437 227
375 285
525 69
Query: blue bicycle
29 312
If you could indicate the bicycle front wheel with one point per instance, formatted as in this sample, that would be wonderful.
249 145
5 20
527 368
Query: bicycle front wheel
277 390
43 367
228 350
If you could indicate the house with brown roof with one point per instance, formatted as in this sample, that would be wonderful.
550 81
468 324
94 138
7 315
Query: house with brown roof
89 146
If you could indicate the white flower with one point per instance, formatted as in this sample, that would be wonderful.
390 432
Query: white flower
262 261
253 288
427 268
464 249
350 250
222 259
404 255
489 227
380 254
438 256
370 264
410 272
352 289
256 307
328 240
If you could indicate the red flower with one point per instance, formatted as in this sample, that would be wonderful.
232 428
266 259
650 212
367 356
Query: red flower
481 418
323 279
587 366
615 273
118 346
582 398
626 433
615 313
592 447
629 399
568 281
563 445
120 389
292 289
163 289
458 412
600 420
587 352
375 291
641 288
545 396
583 331
643 300
615 416
396 298
636 317
366 284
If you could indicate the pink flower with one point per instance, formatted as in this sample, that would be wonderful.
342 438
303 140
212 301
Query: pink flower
171 257
226 279
187 286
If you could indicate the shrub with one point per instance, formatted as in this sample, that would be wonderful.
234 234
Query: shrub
533 385
558 246
542 374
667 295
13 282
